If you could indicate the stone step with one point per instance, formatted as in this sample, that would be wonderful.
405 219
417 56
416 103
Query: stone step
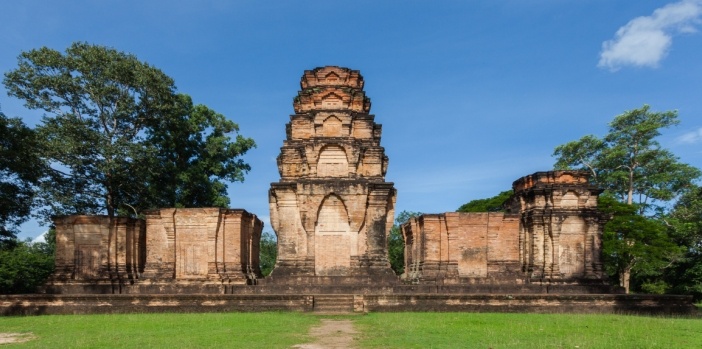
333 304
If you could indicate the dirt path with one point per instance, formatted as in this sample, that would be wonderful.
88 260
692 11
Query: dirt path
7 338
331 334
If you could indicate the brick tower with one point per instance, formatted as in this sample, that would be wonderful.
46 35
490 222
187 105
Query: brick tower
332 209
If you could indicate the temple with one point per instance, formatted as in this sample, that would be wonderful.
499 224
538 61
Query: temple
332 211
550 234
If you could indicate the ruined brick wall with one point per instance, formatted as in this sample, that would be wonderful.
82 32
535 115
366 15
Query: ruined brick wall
203 245
332 209
457 246
561 228
90 248
550 233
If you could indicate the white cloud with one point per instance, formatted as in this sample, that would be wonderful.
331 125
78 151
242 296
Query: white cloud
645 41
40 238
691 137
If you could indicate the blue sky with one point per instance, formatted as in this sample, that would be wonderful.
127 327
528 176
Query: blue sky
471 94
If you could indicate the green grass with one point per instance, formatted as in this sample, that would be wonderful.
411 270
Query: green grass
218 330
465 330
377 330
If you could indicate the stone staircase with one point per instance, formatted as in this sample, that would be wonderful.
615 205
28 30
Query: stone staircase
333 304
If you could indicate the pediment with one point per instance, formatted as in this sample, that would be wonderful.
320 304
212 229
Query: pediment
331 77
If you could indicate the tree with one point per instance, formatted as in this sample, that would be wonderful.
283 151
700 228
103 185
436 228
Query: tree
194 144
268 253
115 132
20 170
493 204
25 267
634 244
686 219
396 243
99 100
629 162
685 226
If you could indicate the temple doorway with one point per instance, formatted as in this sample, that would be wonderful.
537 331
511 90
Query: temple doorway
334 241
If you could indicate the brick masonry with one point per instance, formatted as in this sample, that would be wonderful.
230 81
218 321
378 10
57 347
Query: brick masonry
550 233
506 303
332 209
198 250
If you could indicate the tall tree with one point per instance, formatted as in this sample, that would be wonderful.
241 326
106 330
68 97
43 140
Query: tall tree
111 123
396 243
629 162
20 170
195 153
634 244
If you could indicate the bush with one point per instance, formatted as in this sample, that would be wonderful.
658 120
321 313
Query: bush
24 266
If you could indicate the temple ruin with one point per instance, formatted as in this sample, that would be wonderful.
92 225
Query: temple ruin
550 234
173 250
332 211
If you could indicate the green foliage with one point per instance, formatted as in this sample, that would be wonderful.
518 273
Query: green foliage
396 242
20 170
629 162
118 137
194 151
98 101
634 246
50 239
686 219
685 226
268 253
25 266
685 276
493 204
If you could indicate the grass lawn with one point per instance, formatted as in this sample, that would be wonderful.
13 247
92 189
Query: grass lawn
377 330
464 330
135 331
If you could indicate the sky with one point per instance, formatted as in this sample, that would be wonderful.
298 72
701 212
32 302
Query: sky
472 95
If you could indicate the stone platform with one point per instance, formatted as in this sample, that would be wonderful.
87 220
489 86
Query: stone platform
42 304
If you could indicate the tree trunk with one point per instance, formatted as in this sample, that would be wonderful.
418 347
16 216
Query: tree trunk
111 229
624 278
630 194
109 205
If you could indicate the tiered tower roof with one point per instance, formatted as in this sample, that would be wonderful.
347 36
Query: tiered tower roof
329 88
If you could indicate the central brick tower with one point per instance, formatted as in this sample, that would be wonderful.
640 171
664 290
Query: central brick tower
332 209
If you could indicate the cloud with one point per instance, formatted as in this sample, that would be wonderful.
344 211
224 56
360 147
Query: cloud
645 41
691 137
40 238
